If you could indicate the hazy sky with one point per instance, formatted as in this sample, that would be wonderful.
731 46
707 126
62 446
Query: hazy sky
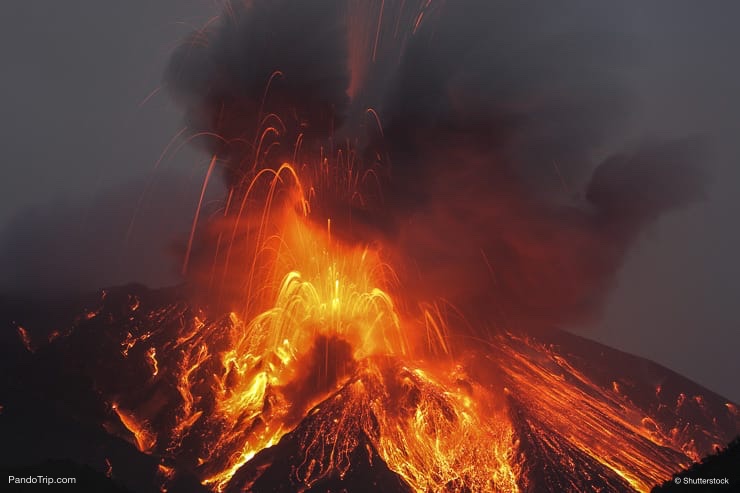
77 124
676 300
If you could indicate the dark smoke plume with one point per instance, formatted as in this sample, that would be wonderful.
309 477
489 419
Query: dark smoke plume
221 77
501 188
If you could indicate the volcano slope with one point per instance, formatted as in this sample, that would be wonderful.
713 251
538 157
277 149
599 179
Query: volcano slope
98 381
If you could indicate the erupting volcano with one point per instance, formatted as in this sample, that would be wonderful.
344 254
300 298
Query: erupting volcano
371 306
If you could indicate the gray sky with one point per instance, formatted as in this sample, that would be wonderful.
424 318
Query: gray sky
74 127
74 76
80 140
676 299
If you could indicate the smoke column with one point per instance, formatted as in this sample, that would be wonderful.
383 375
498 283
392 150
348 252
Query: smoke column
500 188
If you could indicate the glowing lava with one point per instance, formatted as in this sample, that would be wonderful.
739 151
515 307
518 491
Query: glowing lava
265 373
319 351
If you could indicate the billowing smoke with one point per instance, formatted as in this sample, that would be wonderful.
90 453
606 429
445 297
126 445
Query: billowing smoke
278 57
501 189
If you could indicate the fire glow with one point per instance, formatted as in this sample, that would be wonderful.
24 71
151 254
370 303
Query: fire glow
327 339
307 325
319 291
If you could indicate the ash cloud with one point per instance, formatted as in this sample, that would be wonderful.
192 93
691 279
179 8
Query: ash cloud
220 76
504 129
507 188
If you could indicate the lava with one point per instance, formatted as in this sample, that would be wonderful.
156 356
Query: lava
144 439
329 350
513 412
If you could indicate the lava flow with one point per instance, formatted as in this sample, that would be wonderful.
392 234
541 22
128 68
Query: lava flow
329 371
329 322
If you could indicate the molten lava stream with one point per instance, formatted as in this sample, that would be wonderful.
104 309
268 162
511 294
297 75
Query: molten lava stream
318 319
322 348
445 433
605 425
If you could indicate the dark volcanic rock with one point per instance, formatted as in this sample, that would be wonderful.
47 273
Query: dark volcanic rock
722 465
545 471
275 470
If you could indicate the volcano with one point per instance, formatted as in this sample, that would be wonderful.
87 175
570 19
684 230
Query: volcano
373 301
538 411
